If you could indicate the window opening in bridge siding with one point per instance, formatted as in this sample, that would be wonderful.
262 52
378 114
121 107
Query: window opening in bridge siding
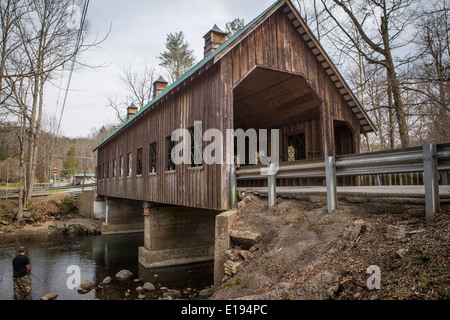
121 167
194 147
114 169
152 158
107 169
295 147
129 164
170 145
99 172
139 161
104 171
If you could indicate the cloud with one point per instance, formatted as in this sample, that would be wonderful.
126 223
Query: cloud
138 35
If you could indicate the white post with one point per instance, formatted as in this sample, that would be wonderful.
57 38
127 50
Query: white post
431 181
330 169
271 184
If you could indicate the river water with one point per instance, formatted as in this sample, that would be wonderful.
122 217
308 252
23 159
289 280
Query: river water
97 257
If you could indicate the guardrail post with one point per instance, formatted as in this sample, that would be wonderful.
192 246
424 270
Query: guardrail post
330 169
233 187
431 181
271 184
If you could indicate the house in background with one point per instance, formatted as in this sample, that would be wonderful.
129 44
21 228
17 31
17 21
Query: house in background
87 178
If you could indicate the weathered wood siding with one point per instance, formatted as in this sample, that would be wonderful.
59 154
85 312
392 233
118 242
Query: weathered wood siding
194 187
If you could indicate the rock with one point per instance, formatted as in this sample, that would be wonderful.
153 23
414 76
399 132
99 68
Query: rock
148 286
245 239
415 231
141 296
27 214
401 253
247 199
231 267
394 232
244 254
79 226
358 228
139 289
163 288
107 280
49 296
206 293
174 294
124 275
4 222
85 286
230 255
241 204
322 287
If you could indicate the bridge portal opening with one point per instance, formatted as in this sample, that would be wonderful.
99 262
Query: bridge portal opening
272 99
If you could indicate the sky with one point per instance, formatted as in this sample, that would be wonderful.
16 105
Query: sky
138 31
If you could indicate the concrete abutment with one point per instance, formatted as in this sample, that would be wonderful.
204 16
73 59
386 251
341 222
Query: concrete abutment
176 235
122 216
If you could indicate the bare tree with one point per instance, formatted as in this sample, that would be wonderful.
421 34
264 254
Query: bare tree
380 25
139 85
139 90
45 40
430 77
11 11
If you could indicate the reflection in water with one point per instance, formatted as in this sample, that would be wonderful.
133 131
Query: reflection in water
97 257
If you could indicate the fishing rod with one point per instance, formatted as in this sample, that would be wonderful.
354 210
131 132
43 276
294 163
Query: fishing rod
32 275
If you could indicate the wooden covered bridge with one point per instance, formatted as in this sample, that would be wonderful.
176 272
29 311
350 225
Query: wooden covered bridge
273 74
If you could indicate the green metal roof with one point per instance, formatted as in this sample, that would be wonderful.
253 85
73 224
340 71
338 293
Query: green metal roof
188 74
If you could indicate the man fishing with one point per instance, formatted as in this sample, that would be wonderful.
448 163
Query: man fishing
21 279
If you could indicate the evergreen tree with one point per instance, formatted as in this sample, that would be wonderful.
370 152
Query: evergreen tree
178 58
72 164
234 26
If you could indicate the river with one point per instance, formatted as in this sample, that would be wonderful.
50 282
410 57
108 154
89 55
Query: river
97 257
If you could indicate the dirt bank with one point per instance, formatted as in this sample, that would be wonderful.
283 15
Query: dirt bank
306 253
54 213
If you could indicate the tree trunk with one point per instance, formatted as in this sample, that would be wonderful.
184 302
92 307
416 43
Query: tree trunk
34 142
394 86
391 118
22 181
398 107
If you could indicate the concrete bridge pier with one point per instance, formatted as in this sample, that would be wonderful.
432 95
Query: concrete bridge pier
176 235
122 216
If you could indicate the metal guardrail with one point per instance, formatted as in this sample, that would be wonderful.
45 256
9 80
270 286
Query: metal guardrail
428 159
294 169
4 194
